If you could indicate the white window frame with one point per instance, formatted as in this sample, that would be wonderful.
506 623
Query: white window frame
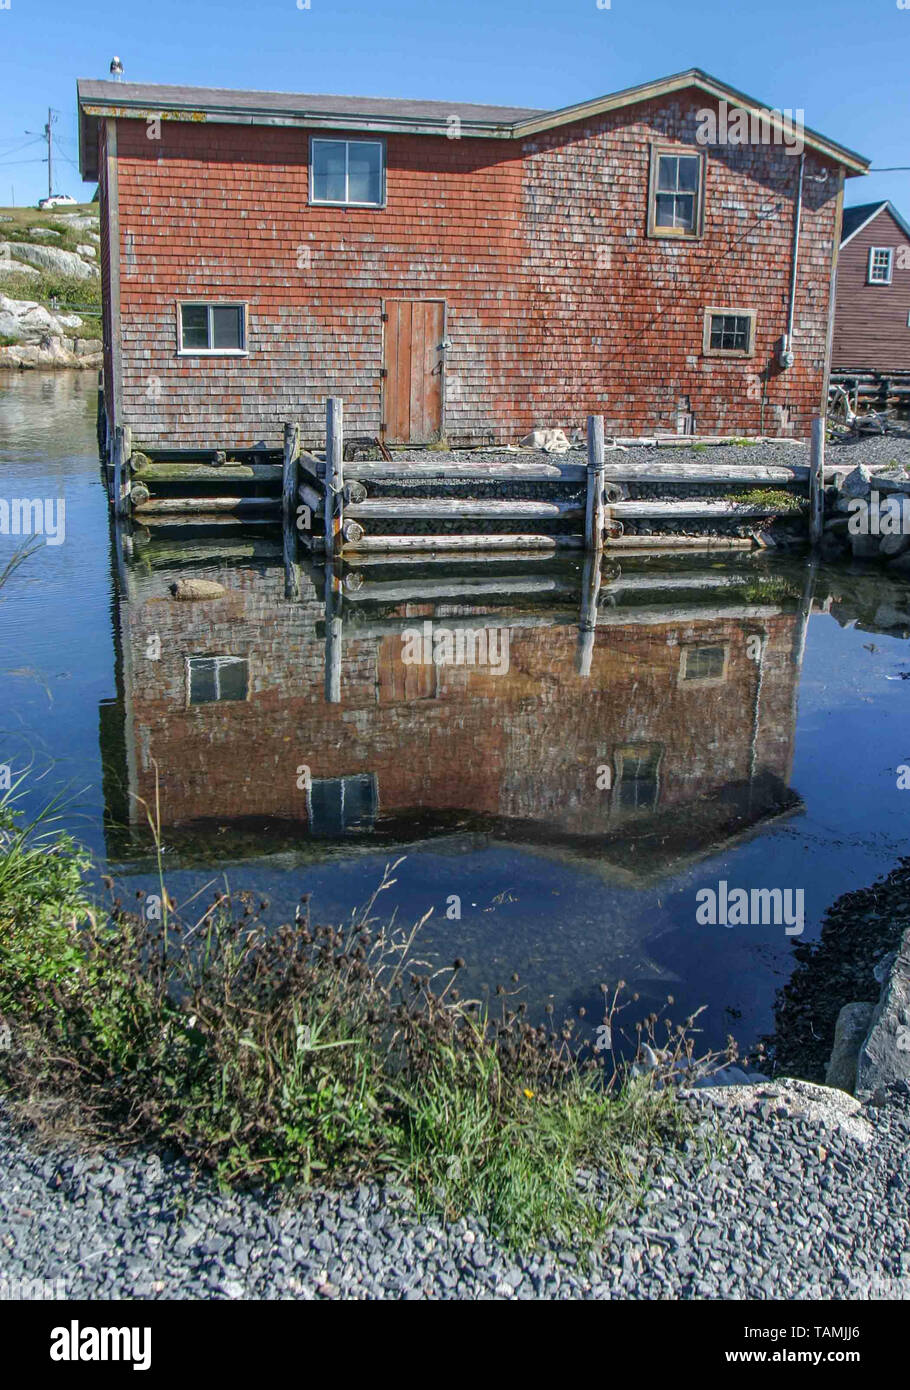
211 304
716 311
345 202
880 251
219 660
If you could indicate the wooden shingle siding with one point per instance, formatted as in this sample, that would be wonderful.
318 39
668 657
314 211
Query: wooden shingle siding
872 322
558 304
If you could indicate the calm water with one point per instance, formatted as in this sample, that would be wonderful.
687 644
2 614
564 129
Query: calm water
731 719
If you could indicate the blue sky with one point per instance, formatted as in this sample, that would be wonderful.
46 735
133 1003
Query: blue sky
845 62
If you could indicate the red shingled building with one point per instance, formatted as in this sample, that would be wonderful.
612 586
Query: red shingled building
459 271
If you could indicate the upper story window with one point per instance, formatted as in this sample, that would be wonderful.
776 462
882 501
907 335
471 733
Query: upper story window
729 333
211 328
677 193
881 263
347 173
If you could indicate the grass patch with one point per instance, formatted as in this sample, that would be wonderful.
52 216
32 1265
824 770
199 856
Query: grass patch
776 498
299 1053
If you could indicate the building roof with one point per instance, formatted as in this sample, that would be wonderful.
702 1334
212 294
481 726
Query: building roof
855 219
98 99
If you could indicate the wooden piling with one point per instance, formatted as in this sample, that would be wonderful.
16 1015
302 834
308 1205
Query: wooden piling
289 472
594 502
334 476
817 481
120 491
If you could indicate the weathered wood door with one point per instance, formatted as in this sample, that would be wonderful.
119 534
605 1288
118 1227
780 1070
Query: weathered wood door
413 395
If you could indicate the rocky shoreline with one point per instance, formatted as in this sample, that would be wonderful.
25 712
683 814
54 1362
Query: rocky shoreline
785 1191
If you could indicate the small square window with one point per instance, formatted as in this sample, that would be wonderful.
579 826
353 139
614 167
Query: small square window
217 328
729 332
676 188
703 665
217 678
347 172
880 265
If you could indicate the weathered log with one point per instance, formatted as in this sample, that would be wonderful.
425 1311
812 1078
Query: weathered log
418 544
158 506
352 532
457 508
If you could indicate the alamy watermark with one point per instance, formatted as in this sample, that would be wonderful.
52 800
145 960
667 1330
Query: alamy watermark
870 516
34 516
761 125
756 907
436 645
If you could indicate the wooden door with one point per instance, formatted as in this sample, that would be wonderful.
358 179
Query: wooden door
414 369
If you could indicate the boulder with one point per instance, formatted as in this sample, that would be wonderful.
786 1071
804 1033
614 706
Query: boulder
894 545
856 483
548 441
85 248
43 232
10 267
30 322
77 221
798 1099
849 1031
884 1057
864 547
52 258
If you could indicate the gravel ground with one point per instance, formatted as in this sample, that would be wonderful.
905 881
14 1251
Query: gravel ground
790 1208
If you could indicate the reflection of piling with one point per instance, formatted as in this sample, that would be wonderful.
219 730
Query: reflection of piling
333 636
588 623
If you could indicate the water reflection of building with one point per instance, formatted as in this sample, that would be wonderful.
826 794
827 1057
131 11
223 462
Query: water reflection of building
646 737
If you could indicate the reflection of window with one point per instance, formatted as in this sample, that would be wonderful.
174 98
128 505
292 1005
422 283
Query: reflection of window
342 805
637 784
214 678
704 665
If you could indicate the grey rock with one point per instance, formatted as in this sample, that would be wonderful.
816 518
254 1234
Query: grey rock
885 1055
849 1032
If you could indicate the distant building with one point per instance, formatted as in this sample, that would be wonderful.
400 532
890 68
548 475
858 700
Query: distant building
872 315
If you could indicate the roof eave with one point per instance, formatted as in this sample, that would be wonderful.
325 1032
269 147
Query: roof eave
852 162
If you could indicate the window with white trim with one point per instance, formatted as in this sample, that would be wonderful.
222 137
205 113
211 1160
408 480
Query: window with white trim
729 333
675 201
215 678
347 173
881 264
211 328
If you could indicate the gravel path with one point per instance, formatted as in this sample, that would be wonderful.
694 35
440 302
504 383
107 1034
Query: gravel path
790 1208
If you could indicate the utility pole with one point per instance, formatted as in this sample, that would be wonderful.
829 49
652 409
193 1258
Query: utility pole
50 154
